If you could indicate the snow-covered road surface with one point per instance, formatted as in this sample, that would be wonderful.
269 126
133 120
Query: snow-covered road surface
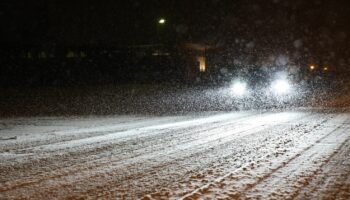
301 154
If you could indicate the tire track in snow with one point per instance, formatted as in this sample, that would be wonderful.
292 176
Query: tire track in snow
288 185
60 136
167 194
332 178
151 131
197 192
155 155
178 162
150 143
206 148
211 171
64 185
226 187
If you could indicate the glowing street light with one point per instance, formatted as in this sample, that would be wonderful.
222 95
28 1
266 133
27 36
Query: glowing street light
312 67
161 21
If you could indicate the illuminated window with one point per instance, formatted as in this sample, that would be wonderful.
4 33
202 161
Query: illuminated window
201 60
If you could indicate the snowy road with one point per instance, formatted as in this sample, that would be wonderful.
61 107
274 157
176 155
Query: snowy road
301 154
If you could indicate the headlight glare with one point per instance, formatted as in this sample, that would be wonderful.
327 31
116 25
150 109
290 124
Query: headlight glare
239 88
281 87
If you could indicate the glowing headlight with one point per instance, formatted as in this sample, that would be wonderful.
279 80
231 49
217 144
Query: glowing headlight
281 87
239 88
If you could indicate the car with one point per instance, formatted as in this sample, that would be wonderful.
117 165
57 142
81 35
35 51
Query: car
263 87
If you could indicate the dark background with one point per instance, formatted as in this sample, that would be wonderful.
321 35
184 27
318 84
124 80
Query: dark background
273 26
128 22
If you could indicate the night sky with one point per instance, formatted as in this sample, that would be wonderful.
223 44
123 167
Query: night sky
134 22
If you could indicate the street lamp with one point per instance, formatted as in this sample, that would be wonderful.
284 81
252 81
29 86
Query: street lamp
160 29
161 21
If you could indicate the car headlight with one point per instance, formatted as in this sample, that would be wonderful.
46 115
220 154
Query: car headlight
281 87
239 88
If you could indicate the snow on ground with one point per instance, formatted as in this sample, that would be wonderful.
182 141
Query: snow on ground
298 154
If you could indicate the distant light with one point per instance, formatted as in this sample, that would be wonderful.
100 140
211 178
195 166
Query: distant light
201 61
325 69
281 87
239 88
312 67
161 21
